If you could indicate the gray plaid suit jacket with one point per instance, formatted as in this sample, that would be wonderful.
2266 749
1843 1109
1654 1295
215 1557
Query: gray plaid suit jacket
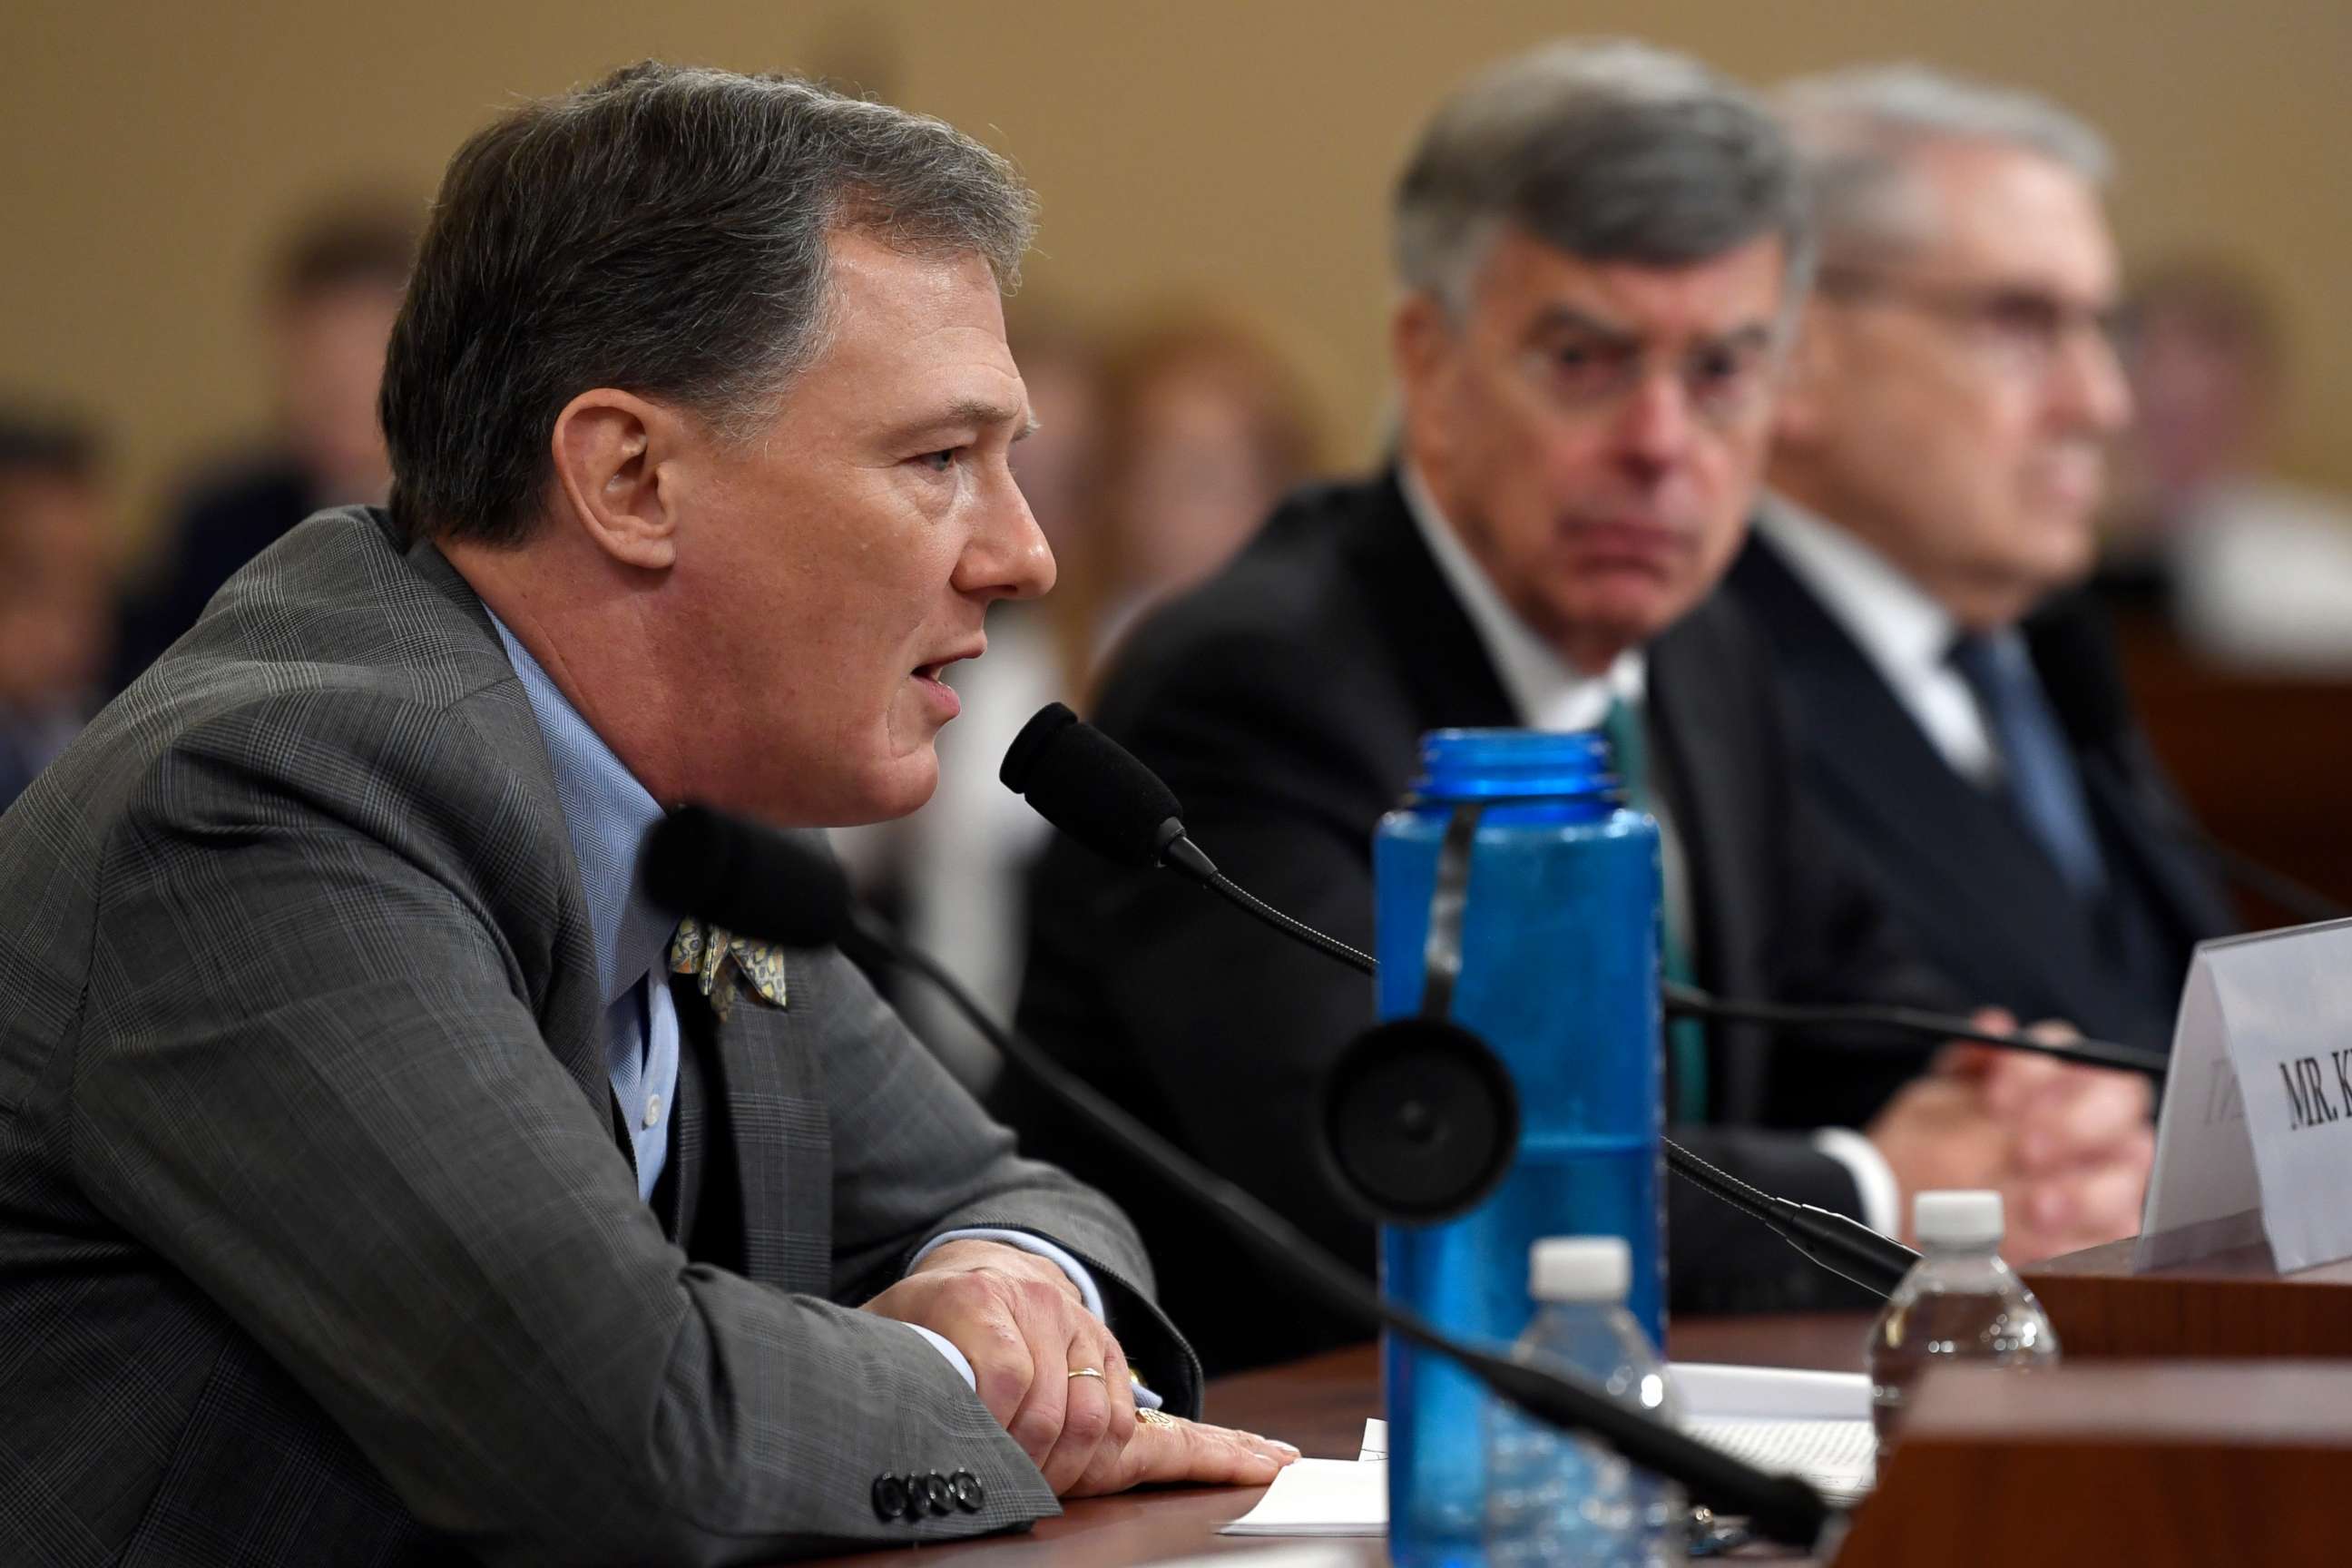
317 1242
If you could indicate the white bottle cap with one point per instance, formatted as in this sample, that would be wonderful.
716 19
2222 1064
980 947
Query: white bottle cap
1579 1269
1957 1219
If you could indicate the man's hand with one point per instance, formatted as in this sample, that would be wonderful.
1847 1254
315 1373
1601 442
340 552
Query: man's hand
2068 1147
2080 1145
1020 1321
1166 1450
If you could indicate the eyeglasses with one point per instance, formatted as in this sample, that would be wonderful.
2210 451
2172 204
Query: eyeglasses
2026 330
1584 370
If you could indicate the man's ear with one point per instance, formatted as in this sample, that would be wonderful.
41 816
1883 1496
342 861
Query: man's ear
1421 344
1808 373
615 479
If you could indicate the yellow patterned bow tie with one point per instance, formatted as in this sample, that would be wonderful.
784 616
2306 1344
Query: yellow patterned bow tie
703 950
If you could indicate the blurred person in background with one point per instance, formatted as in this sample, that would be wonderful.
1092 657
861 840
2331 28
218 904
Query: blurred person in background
1940 453
1599 249
335 287
1208 429
2256 573
55 592
953 874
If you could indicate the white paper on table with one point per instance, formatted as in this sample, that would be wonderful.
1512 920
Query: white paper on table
1815 1425
1321 1497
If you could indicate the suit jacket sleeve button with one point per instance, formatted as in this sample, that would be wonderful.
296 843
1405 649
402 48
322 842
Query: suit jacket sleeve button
967 1491
938 1495
889 1497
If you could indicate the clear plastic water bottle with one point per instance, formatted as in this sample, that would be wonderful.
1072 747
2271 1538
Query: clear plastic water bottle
1552 1497
1959 1303
1558 944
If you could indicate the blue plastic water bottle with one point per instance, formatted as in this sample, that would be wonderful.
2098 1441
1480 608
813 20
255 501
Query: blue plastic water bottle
1559 945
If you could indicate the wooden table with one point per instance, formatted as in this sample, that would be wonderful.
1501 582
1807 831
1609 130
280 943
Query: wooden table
1321 1405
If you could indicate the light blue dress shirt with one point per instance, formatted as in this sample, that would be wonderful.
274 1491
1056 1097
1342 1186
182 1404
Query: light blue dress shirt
605 814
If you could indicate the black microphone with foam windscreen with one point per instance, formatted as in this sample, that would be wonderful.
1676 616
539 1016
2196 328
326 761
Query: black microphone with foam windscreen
2074 656
744 876
1419 1118
773 885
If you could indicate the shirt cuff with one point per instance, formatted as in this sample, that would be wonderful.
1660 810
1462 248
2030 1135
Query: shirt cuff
1873 1178
1089 1291
946 1347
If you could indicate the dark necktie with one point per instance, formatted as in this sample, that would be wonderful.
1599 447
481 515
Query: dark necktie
2040 770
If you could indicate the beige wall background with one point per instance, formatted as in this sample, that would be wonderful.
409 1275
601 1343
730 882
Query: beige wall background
1213 149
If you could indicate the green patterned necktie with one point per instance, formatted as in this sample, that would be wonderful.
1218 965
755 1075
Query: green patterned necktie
704 950
1685 1038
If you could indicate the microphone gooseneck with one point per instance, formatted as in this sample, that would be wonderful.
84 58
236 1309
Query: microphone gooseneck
1689 1002
773 886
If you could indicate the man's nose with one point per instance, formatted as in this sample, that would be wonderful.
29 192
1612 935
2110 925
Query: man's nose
2088 385
1653 426
1007 557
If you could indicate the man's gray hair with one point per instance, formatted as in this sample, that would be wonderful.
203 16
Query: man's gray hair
1609 151
665 232
1858 131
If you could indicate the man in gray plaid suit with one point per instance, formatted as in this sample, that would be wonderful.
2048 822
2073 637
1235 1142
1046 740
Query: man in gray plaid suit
380 1178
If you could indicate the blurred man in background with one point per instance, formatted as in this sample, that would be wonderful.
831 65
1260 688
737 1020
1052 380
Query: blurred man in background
1941 456
55 592
1599 249
335 289
2257 573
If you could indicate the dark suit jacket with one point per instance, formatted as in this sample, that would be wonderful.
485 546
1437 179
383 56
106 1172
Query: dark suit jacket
1969 884
317 1241
1283 702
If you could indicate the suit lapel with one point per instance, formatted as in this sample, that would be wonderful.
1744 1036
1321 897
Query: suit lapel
1695 731
1996 892
763 1092
563 981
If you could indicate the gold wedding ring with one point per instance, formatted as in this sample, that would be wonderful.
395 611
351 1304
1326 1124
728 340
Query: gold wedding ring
1089 1372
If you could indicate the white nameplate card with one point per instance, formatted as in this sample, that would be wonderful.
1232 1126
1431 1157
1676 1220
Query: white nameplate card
2254 1141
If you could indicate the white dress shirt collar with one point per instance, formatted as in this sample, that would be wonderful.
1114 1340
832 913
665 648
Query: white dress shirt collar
1902 630
1548 692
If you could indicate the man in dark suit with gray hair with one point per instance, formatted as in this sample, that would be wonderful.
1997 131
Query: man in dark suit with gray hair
1600 249
381 1176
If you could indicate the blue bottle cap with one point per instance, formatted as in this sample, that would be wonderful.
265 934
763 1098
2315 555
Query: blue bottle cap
1517 765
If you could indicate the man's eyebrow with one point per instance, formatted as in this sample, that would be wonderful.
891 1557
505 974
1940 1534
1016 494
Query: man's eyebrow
1559 321
967 412
1753 333
1553 320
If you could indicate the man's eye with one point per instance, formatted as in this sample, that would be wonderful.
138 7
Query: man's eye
942 461
1723 365
1584 366
2027 316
